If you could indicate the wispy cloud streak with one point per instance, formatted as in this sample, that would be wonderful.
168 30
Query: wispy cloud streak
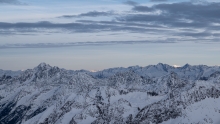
54 45
90 14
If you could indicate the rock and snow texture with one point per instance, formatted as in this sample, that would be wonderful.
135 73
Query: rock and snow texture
134 95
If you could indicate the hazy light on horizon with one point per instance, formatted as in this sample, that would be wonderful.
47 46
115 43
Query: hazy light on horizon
109 56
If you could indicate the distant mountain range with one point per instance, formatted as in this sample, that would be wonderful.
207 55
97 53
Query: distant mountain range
135 95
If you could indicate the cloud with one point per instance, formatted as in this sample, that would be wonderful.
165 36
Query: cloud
199 1
143 8
131 3
79 27
185 10
171 21
54 45
199 34
183 21
184 14
88 26
158 0
195 12
90 14
15 2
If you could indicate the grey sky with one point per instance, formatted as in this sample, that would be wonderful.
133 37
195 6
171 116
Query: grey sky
39 24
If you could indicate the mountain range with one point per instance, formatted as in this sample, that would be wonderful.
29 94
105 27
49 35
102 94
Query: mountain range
158 94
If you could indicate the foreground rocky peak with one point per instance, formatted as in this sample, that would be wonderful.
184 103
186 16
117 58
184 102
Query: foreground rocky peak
134 95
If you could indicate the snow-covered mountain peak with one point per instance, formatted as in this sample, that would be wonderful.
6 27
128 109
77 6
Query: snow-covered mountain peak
42 66
186 66
164 66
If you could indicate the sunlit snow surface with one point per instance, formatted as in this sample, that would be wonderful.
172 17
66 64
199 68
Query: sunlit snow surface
204 112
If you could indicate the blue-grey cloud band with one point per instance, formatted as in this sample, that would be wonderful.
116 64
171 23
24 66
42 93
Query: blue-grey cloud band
158 0
80 26
9 1
183 19
90 14
13 2
131 3
71 44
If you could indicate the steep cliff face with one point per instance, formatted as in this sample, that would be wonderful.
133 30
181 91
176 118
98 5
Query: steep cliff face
134 95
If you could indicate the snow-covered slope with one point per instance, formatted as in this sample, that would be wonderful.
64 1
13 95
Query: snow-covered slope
134 95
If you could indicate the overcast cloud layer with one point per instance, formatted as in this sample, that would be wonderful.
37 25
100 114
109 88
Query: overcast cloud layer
181 20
